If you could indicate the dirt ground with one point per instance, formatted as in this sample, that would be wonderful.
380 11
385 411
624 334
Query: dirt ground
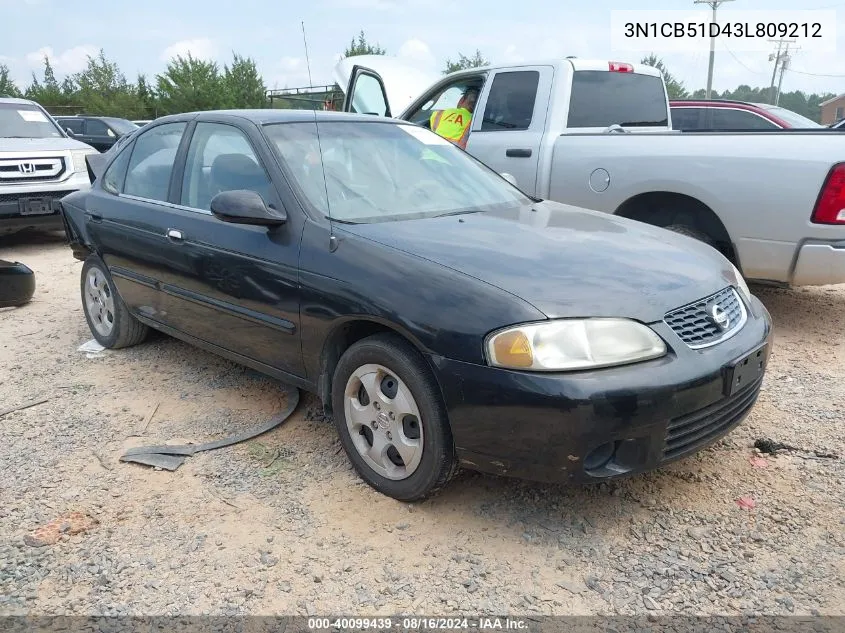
282 525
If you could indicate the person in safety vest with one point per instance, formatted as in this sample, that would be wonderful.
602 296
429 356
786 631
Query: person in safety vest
453 123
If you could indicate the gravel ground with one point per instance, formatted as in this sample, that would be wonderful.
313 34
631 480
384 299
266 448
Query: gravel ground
281 524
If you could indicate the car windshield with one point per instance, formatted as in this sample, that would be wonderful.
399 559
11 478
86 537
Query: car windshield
21 120
378 171
122 125
793 118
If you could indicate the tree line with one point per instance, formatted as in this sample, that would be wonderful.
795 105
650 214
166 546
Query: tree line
190 84
807 105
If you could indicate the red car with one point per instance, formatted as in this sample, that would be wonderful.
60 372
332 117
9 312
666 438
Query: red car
724 115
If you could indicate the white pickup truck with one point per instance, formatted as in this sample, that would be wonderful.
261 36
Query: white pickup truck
598 134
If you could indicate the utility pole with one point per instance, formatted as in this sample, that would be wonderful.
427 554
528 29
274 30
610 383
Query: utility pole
714 4
776 57
783 64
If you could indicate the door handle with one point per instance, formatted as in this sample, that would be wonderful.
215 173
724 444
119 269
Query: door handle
175 235
518 153
95 217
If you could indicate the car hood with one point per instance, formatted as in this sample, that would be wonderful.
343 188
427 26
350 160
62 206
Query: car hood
40 144
566 261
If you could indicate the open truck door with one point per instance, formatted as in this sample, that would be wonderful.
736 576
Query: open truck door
379 84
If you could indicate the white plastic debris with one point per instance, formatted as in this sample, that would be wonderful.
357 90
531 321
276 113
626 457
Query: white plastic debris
92 349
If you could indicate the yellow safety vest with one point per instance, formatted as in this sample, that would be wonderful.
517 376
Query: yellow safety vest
452 124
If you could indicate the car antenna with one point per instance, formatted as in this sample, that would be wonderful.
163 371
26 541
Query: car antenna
307 62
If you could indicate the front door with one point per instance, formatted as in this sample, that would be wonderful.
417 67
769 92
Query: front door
365 93
232 285
509 122
98 135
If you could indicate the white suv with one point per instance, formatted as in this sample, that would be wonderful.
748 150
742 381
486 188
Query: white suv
39 165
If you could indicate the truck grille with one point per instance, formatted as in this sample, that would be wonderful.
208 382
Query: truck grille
696 325
692 432
23 170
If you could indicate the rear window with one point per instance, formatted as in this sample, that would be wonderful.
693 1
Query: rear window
602 98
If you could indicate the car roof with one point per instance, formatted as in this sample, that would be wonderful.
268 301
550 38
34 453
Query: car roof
274 115
712 102
18 101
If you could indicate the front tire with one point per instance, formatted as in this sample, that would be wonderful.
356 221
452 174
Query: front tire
108 317
391 419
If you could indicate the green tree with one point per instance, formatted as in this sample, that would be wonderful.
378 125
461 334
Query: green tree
46 92
146 95
102 89
243 84
465 62
674 87
7 86
362 47
190 84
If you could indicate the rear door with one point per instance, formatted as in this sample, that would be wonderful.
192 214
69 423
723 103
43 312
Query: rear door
510 120
125 216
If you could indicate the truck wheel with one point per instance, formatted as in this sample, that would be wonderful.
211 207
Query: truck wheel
391 419
108 317
17 284
683 229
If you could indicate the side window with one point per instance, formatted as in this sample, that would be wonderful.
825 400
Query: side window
72 124
220 158
151 164
686 118
116 173
510 104
447 97
367 96
95 127
840 112
730 119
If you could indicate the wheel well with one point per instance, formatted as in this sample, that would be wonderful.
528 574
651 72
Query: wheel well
664 208
341 339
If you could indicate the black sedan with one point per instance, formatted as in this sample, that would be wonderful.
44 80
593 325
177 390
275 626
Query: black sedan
443 317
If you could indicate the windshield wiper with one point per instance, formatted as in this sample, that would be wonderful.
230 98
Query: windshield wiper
463 212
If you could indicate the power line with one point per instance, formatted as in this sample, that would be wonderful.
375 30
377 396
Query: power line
739 61
801 72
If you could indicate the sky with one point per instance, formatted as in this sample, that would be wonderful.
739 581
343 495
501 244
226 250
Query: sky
142 36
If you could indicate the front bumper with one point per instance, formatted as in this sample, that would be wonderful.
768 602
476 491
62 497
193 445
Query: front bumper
564 427
819 264
13 216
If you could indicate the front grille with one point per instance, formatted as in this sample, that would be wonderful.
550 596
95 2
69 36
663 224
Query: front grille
695 326
692 432
14 197
24 170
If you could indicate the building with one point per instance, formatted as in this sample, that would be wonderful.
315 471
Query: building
833 110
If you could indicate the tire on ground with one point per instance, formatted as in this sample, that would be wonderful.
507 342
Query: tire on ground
438 463
126 330
17 284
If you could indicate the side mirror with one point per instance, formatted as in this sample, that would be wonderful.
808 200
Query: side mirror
509 178
243 206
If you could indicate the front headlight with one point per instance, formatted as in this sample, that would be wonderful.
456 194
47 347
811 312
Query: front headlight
79 158
568 344
740 284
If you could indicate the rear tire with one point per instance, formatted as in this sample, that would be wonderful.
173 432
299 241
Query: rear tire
108 317
391 419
